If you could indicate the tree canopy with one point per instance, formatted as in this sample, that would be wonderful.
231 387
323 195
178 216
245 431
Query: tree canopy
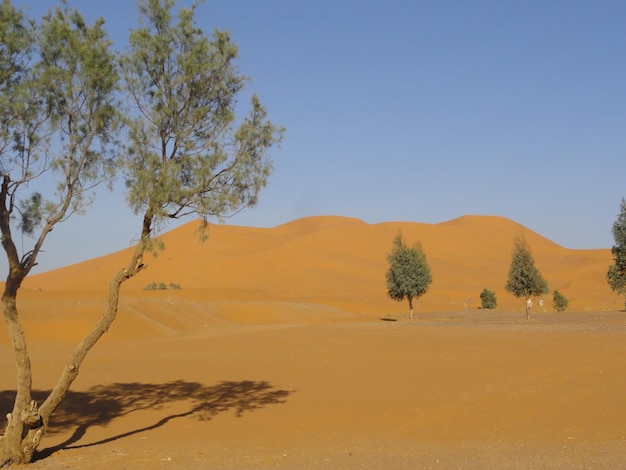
524 280
186 153
409 275
616 274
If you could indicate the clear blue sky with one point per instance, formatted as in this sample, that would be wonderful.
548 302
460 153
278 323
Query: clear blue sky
416 111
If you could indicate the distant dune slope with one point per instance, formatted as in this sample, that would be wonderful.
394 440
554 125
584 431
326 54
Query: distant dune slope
341 262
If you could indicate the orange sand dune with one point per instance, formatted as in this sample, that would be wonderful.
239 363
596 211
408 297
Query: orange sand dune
341 262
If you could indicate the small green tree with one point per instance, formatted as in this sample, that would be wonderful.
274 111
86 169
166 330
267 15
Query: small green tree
559 301
488 299
408 276
616 275
524 281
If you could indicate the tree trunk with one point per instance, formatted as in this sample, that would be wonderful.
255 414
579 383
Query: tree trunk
21 436
411 307
24 428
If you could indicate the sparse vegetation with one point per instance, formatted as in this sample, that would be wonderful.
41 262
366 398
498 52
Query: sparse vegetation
162 286
524 281
409 275
488 299
559 301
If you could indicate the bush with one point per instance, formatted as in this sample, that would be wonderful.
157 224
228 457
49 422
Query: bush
162 286
559 301
488 299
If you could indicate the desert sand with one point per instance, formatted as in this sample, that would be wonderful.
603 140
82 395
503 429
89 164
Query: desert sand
278 348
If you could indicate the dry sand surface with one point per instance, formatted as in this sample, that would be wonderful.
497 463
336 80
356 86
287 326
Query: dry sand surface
281 350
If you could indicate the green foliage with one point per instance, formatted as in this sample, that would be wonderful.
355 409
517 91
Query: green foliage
524 280
17 38
616 274
409 275
58 118
617 282
488 299
79 79
31 212
186 153
559 301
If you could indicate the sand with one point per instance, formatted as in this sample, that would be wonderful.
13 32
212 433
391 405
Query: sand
281 350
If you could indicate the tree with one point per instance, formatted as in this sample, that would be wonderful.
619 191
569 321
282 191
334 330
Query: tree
559 301
58 114
488 299
524 281
408 275
616 275
185 154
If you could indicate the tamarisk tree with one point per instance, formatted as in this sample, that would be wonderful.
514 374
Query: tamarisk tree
408 276
616 275
57 116
185 152
524 281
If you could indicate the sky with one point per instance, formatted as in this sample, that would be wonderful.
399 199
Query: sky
417 111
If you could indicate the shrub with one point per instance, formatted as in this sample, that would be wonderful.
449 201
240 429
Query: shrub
162 286
488 299
559 301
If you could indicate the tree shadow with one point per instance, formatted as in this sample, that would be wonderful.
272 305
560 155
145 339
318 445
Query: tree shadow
101 404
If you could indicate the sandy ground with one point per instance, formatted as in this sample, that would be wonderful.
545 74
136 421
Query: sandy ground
300 362
445 390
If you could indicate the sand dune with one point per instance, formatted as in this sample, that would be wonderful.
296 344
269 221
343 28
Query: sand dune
341 262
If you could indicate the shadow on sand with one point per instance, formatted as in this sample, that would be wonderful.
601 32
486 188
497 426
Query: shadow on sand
101 404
